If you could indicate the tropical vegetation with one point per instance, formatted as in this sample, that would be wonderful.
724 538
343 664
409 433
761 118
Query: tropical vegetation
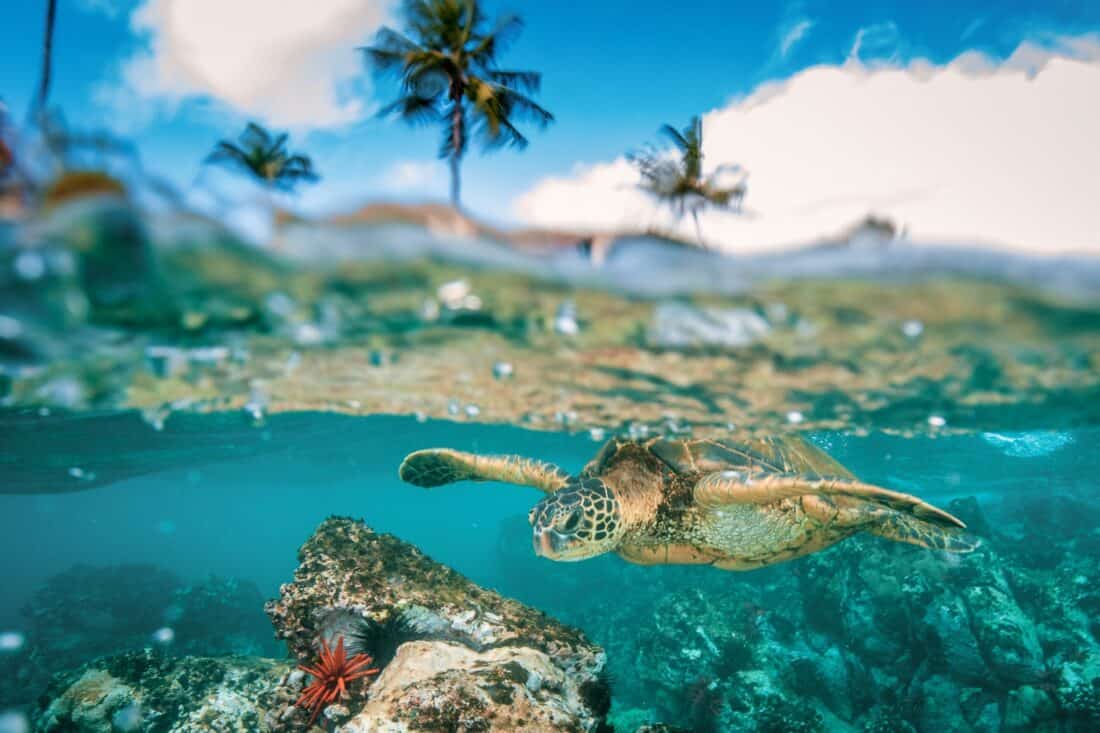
679 181
447 65
265 159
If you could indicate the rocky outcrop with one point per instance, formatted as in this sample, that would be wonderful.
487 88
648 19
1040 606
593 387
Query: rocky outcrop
148 691
452 653
452 657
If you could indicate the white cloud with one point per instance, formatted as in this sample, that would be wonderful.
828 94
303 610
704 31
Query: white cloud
291 64
415 176
995 153
793 35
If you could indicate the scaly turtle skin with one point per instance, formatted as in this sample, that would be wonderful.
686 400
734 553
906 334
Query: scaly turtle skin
736 505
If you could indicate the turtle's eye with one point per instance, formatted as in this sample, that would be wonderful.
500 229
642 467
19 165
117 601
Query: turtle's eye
572 522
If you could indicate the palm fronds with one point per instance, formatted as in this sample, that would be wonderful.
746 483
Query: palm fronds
264 157
447 65
677 179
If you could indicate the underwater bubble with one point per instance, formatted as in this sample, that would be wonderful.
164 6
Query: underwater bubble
597 434
154 417
13 721
308 334
565 321
502 370
1028 445
67 392
292 363
638 431
10 328
208 355
777 312
128 718
420 416
354 404
794 417
936 421
280 304
11 641
429 310
452 293
80 474
453 407
472 410
565 417
164 635
165 361
30 266
912 329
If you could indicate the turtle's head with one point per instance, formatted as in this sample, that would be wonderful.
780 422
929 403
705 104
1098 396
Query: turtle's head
577 522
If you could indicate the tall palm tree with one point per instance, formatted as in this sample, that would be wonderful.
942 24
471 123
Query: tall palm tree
681 183
448 69
264 158
47 62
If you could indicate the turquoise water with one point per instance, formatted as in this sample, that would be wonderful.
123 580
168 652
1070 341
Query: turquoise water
215 494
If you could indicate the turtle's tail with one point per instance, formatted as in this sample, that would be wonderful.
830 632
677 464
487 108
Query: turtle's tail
903 527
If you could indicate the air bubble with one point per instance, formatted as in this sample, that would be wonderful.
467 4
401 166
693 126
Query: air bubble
11 641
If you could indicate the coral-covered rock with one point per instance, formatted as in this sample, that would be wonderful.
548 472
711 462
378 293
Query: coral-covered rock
177 694
452 653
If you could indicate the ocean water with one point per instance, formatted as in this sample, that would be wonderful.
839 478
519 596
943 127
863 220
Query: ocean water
179 411
237 504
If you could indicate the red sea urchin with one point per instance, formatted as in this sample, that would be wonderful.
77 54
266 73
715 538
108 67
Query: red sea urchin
331 676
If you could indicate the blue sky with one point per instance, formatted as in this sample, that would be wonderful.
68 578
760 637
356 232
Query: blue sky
612 73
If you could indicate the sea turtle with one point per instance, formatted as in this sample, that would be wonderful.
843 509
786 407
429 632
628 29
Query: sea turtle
733 504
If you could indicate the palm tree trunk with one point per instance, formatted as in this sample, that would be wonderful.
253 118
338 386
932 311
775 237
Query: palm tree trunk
458 143
698 231
47 62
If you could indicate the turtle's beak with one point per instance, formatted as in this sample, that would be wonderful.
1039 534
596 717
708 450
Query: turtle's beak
543 543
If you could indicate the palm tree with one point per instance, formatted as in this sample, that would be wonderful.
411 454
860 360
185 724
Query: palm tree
681 183
264 158
448 71
47 62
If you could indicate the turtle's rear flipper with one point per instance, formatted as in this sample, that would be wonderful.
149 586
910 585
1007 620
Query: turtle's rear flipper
439 466
903 527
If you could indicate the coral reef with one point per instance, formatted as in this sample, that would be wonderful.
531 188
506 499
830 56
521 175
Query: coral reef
453 657
88 611
870 636
451 652
152 692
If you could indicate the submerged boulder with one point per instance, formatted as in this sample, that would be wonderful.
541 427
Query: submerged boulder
452 653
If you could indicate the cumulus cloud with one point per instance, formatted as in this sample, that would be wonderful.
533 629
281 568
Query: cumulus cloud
291 64
972 150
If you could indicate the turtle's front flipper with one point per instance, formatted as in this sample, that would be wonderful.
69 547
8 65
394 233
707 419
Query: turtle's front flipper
439 466
732 487
886 513
900 527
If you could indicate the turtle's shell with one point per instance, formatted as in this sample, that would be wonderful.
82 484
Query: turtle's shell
789 454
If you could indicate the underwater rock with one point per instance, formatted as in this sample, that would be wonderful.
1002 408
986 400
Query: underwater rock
436 685
148 691
446 646
679 326
1007 637
1029 710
